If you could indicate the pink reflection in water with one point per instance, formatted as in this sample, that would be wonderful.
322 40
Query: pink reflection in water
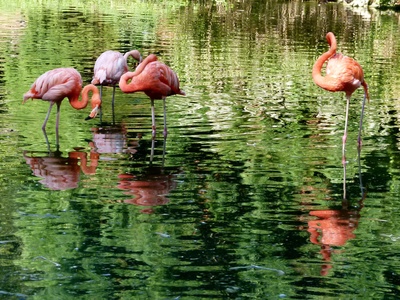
148 190
62 173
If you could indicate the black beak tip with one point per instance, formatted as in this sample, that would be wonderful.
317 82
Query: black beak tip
88 118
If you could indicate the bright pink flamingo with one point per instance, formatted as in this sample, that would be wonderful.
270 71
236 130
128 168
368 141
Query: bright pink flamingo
57 84
156 80
110 66
343 74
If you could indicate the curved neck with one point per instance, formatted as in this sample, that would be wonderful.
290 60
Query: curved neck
80 104
316 71
123 82
135 54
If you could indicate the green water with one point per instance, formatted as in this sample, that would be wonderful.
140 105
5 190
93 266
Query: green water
243 199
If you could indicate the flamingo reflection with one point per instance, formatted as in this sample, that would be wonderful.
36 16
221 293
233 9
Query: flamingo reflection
61 173
113 140
334 228
150 187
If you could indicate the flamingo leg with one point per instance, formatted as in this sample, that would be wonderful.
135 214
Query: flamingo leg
101 98
344 181
165 118
57 123
153 119
47 116
112 104
361 122
345 130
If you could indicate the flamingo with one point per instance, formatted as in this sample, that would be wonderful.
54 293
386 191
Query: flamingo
343 74
109 67
156 80
57 84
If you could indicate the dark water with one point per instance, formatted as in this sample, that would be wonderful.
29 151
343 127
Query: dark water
243 199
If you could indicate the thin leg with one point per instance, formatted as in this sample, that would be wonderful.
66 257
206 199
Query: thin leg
359 173
165 118
164 150
152 149
345 130
361 122
47 140
47 116
344 181
153 119
112 105
101 98
57 123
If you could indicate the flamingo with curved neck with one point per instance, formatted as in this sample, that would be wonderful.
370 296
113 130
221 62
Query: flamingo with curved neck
57 84
156 80
343 74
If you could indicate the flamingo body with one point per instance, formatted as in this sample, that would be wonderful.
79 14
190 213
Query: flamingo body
110 66
343 74
156 80
55 85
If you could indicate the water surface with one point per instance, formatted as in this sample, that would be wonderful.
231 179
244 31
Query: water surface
243 199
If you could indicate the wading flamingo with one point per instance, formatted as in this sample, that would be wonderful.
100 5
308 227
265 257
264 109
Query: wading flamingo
156 80
57 84
343 74
110 66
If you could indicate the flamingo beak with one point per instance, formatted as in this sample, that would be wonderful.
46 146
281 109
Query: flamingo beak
93 113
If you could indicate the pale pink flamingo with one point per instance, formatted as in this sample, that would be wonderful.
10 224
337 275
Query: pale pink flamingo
110 66
57 84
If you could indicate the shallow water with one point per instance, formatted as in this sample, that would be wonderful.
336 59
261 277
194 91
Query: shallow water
243 199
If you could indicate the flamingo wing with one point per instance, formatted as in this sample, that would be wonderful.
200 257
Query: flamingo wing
55 85
347 71
109 67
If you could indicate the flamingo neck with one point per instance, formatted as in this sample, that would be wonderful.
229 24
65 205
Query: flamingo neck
80 104
321 81
135 54
130 87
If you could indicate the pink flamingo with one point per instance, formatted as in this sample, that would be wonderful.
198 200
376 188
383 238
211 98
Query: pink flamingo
343 74
110 66
57 84
156 80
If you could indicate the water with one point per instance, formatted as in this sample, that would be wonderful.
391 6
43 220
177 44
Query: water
243 199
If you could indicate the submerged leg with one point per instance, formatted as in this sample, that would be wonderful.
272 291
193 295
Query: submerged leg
361 122
165 118
345 130
153 119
